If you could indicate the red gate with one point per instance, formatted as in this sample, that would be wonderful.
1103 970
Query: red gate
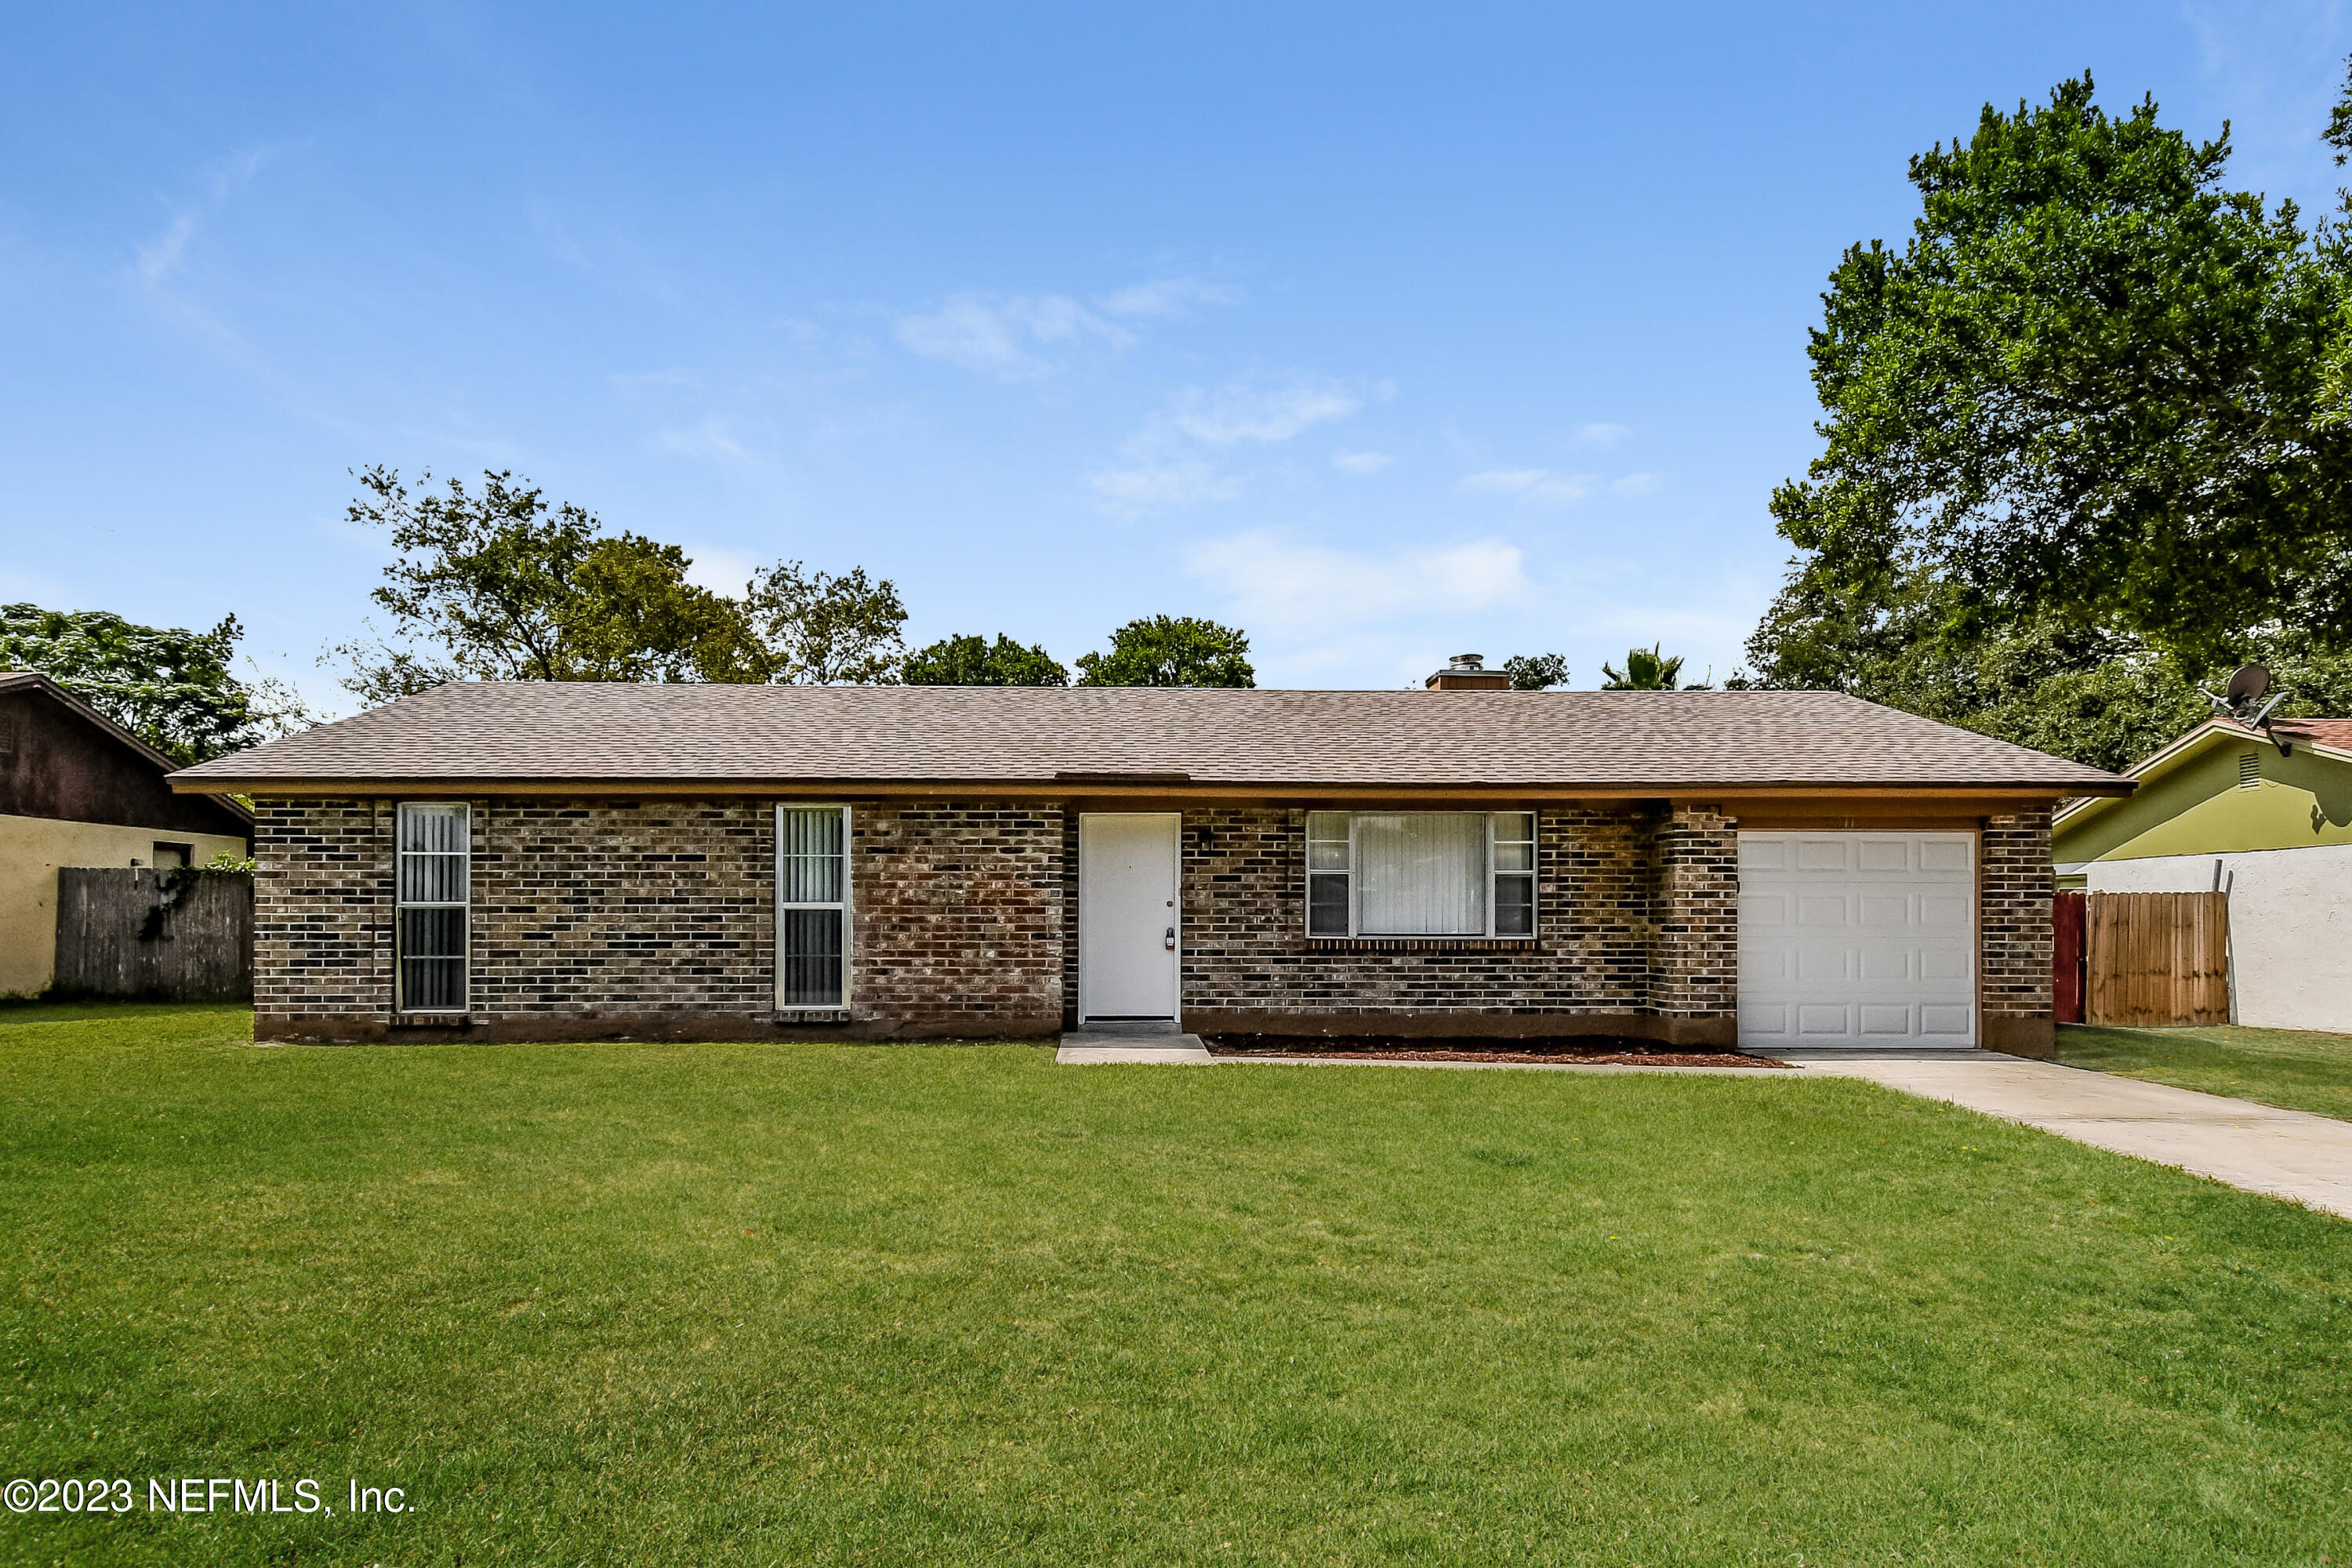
2070 912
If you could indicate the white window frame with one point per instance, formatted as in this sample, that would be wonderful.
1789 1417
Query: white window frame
1309 873
465 811
845 904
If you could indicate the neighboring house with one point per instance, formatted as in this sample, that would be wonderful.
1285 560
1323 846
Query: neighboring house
2226 808
78 789
1703 867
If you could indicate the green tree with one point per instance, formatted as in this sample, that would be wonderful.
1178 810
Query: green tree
1647 671
809 628
2086 443
974 661
1170 650
2091 383
173 689
500 586
1536 671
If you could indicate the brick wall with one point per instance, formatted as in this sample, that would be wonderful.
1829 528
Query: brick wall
1696 973
1249 967
615 907
657 918
960 918
321 913
645 916
2015 885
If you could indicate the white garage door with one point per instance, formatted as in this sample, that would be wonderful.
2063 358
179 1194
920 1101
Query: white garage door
1860 939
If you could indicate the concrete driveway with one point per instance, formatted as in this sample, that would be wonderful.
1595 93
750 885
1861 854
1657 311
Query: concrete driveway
2285 1153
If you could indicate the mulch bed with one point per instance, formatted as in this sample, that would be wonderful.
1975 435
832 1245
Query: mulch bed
1589 1050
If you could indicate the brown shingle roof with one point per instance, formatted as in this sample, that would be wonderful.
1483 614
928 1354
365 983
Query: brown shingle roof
2334 734
620 734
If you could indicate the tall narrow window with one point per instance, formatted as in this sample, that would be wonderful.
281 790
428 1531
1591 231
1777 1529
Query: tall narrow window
434 849
1327 904
811 906
1513 860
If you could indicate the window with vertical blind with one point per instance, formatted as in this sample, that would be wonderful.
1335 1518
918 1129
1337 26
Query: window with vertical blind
1421 873
433 843
811 906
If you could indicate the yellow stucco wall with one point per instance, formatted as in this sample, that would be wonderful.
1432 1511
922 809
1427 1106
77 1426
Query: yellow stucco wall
31 850
2199 808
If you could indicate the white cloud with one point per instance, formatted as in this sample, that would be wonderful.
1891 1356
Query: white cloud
1259 411
1539 487
1602 436
161 260
158 261
1162 465
1149 484
1362 462
711 439
1165 297
1288 588
1000 336
1634 484
718 569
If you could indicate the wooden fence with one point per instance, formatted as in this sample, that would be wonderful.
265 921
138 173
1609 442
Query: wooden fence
2144 959
180 936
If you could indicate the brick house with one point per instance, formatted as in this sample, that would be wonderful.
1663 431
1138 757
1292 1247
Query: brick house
1713 868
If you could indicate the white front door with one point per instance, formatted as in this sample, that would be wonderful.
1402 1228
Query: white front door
1127 915
1857 940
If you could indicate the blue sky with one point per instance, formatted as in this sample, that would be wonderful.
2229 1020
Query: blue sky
1384 333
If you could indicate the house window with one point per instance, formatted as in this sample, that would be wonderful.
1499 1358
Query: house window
434 849
173 857
811 906
1421 873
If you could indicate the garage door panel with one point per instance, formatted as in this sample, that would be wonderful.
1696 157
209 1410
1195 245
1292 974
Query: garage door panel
1882 855
1884 912
1815 963
1944 912
1860 940
1944 854
1884 964
1943 963
1824 854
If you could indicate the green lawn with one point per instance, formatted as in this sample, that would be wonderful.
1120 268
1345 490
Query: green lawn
788 1304
2296 1068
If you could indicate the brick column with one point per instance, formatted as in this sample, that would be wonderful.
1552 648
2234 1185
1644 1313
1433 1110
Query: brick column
2015 882
1694 953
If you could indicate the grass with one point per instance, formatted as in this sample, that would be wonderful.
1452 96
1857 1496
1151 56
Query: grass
770 1304
2300 1069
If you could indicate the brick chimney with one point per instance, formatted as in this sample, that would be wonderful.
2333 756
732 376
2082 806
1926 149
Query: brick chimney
1469 672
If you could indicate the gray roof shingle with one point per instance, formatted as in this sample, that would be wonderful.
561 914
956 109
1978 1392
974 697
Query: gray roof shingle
577 732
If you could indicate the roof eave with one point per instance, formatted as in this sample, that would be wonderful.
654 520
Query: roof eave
282 786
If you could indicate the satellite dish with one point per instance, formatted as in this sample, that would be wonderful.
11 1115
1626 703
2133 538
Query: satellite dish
2248 685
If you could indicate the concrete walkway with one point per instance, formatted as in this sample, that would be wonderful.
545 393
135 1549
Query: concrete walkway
1163 1043
2261 1148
